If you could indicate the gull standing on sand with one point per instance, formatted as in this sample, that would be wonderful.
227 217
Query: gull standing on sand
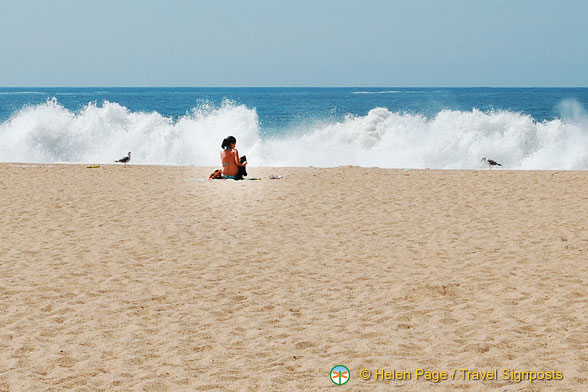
489 162
126 159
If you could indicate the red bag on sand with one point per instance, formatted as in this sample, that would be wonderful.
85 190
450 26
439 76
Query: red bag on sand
215 175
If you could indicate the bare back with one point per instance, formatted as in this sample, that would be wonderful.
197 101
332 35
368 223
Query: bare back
230 160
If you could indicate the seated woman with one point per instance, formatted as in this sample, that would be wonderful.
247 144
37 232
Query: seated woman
230 159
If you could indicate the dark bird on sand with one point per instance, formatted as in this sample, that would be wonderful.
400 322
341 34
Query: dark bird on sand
490 163
126 159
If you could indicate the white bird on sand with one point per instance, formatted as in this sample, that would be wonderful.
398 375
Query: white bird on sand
490 163
126 159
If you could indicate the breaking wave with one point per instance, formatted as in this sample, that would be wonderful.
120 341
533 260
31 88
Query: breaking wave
450 140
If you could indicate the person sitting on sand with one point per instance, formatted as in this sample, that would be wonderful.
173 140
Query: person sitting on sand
230 159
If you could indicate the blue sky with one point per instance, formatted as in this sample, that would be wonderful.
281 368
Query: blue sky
294 43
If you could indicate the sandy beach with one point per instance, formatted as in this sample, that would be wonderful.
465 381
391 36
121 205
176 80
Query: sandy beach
149 278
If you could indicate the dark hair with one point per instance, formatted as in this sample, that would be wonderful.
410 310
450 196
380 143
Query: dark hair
228 141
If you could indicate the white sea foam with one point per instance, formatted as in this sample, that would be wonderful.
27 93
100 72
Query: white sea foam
449 140
377 92
21 93
51 133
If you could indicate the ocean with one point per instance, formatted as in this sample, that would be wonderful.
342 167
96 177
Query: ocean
437 128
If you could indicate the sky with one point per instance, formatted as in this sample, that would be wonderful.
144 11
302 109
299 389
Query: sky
234 43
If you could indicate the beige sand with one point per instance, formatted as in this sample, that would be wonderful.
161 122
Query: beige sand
146 279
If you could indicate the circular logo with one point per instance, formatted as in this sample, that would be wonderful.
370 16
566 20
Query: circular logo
340 375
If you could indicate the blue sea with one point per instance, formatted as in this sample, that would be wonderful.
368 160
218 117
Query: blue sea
441 128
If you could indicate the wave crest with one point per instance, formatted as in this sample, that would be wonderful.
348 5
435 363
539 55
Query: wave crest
51 133
449 140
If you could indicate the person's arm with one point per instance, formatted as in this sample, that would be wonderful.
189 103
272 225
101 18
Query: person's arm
237 159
